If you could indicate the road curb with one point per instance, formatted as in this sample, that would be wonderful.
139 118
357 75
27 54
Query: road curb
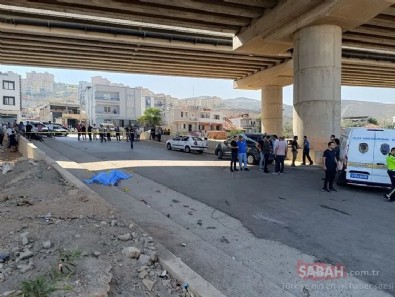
177 268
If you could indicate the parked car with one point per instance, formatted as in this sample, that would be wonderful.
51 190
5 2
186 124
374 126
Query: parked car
60 130
34 123
187 144
223 150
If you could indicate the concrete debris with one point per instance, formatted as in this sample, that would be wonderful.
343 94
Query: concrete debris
131 252
144 260
26 255
149 284
124 237
47 244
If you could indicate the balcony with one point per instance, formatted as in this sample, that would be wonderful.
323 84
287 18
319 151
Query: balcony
211 120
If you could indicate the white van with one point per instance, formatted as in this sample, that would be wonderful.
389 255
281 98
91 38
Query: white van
362 156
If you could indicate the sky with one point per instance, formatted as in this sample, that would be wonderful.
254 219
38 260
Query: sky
184 87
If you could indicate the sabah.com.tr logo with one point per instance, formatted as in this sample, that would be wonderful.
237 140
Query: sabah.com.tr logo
320 271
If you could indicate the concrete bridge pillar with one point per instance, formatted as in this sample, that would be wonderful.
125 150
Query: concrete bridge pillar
272 109
317 83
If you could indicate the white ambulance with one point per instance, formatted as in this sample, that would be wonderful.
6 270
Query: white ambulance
362 156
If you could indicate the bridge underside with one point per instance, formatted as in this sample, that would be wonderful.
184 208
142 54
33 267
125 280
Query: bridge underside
185 38
259 44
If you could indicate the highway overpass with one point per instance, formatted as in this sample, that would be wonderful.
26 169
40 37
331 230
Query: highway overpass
316 45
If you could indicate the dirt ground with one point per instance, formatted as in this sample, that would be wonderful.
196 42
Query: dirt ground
76 242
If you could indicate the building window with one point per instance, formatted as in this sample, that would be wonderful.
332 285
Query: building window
8 100
185 126
182 114
216 117
8 85
107 109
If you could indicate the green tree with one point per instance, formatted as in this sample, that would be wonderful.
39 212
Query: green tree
151 117
231 133
373 121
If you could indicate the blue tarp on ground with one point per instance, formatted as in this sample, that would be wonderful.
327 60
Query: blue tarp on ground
107 178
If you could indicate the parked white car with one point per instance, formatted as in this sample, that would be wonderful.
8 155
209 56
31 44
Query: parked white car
187 144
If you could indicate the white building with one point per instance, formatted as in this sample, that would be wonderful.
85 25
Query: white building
10 96
112 104
184 120
246 123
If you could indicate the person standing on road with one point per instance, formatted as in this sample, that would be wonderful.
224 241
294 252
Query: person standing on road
50 130
29 128
306 151
264 151
330 166
90 128
117 133
267 149
102 135
131 137
294 149
234 148
242 153
280 152
108 134
83 132
390 160
79 131
127 130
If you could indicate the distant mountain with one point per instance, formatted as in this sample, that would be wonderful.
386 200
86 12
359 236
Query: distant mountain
349 108
242 103
373 109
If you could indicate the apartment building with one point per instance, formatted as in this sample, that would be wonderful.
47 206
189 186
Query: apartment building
66 114
10 96
202 102
115 104
38 83
183 120
246 123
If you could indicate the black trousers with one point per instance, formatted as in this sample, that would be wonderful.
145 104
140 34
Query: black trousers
330 175
306 154
1 139
234 160
280 164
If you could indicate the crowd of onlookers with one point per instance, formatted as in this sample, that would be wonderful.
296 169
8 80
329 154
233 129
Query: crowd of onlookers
9 135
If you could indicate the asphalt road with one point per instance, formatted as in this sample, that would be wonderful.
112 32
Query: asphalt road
354 227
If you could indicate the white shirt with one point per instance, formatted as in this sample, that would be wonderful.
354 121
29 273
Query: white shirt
9 131
281 148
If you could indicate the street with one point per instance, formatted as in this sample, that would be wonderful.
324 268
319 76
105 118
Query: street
353 227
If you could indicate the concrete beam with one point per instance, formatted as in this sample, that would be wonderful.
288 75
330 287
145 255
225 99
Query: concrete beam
109 68
96 36
280 75
273 32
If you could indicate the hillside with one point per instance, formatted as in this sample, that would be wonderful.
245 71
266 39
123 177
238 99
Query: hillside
349 108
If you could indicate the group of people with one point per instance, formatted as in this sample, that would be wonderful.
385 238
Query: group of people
268 145
8 134
278 146
105 133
